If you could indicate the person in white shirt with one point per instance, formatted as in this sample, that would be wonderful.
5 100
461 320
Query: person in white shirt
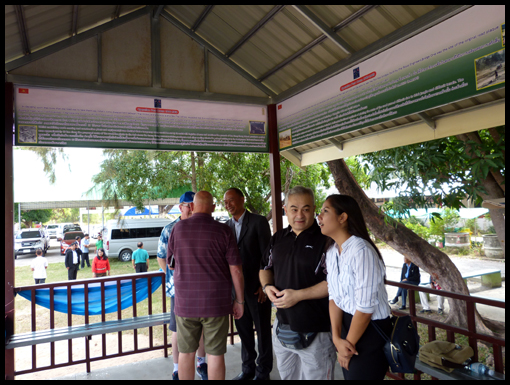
39 266
357 295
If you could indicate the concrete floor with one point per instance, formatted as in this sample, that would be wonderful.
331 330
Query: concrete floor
161 369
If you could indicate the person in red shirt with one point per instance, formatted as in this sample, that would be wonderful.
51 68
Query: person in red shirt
100 264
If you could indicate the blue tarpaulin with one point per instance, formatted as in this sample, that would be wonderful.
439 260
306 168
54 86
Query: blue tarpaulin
42 296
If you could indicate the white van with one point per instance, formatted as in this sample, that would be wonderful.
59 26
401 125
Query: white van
121 237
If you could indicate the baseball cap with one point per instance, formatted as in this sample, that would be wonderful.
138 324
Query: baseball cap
187 197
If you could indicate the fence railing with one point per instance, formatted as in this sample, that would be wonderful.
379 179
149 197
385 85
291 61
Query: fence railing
470 332
86 283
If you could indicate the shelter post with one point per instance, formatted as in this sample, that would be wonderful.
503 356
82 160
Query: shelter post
274 168
9 228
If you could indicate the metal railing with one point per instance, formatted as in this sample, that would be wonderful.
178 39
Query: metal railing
87 282
470 332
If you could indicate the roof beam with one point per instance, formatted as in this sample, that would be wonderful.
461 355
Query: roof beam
66 43
167 16
112 88
202 17
74 21
22 25
324 28
409 30
272 13
344 23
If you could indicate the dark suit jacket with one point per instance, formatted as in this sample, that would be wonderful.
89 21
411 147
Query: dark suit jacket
414 273
69 257
253 241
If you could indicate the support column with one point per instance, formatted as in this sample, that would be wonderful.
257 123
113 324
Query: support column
274 168
9 228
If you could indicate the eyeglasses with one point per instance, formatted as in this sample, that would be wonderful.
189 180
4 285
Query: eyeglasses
185 205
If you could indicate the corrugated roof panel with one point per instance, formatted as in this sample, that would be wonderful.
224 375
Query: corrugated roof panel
90 16
186 14
13 46
47 24
334 14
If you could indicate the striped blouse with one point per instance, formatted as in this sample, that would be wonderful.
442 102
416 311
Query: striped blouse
356 278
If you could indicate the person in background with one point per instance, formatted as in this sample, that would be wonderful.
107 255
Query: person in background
185 207
140 259
84 245
293 275
433 284
72 261
207 263
39 266
411 275
100 264
253 234
357 295
99 242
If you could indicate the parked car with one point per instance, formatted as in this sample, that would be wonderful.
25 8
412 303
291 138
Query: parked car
120 239
51 230
60 229
69 238
27 241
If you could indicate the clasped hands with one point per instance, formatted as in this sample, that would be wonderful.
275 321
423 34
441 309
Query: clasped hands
345 351
282 299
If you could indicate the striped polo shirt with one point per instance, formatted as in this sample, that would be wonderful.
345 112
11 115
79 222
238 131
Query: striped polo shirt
203 250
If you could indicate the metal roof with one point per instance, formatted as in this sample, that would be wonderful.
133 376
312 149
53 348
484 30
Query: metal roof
269 52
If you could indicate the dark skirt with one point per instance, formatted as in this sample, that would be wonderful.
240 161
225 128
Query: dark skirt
370 363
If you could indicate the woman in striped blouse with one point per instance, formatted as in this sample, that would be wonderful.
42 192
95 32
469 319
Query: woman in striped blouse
357 294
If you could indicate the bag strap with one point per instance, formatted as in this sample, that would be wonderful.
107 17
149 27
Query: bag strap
380 331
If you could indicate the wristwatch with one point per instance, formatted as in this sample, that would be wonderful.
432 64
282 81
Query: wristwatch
264 288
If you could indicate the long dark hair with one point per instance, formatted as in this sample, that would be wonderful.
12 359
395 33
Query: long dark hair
355 222
104 257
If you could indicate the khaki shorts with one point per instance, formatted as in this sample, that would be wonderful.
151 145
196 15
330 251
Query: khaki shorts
189 331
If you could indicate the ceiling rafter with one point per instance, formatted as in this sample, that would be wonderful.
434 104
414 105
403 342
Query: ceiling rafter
204 43
22 25
269 16
344 23
202 17
324 28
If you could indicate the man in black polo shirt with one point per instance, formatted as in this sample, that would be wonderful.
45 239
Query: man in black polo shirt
293 277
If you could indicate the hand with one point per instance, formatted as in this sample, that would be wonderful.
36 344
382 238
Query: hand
170 267
271 292
287 298
262 297
238 310
345 351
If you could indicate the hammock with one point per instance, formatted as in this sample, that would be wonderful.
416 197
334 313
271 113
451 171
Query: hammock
42 296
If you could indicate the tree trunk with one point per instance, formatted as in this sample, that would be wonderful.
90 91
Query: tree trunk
407 243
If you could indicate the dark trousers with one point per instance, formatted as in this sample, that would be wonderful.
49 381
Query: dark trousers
260 315
403 292
370 363
141 267
72 273
85 257
39 280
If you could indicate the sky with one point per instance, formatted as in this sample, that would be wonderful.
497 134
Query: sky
31 184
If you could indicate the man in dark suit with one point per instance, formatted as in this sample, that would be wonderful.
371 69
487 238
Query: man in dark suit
253 234
411 275
72 261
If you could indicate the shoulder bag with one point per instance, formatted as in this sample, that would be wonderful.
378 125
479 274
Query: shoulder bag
402 345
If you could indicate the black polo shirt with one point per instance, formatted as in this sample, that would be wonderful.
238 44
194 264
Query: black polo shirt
298 262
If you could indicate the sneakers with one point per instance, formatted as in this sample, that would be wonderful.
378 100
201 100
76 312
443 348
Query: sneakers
175 376
202 371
